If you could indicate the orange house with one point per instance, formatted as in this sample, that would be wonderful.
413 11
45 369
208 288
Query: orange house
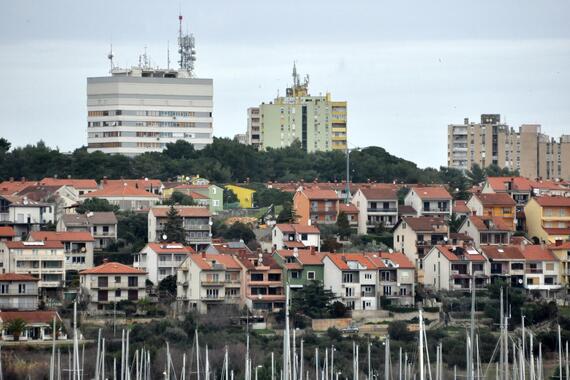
316 205
499 205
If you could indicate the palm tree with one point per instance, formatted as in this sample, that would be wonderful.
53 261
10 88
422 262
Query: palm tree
16 327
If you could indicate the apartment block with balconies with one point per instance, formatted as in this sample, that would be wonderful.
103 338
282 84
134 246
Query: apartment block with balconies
207 282
316 206
264 286
498 205
18 292
548 218
110 282
25 215
196 221
487 230
430 201
101 225
161 260
376 206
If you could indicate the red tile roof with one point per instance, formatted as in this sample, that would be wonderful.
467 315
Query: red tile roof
62 236
169 248
380 193
341 260
50 244
556 231
120 191
348 208
503 252
495 199
424 223
112 268
553 201
455 253
142 183
537 253
320 194
397 258
546 185
89 184
562 245
183 211
12 187
460 207
206 261
6 277
293 244
31 317
432 192
517 183
7 232
490 223
298 228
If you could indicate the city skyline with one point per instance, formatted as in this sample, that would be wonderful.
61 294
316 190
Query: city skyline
404 82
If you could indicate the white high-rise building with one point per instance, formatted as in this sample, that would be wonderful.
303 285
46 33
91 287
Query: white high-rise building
143 108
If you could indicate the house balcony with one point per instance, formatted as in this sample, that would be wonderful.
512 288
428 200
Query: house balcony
436 209
534 271
4 217
212 298
388 210
212 282
429 243
197 227
49 284
324 212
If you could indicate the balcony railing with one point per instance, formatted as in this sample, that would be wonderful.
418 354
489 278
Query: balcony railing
436 209
534 270
428 243
382 209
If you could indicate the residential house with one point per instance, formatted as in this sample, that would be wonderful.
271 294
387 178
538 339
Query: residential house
415 236
542 270
351 212
353 279
450 267
7 233
82 186
39 325
561 249
376 206
197 223
127 198
12 187
228 247
460 209
18 292
264 290
62 197
486 230
300 266
243 194
316 206
289 236
101 225
44 260
153 186
430 201
206 282
548 219
518 188
110 282
205 192
396 278
160 260
497 205
507 264
77 246
24 215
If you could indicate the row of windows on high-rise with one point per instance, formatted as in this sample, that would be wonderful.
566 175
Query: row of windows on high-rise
148 113
122 123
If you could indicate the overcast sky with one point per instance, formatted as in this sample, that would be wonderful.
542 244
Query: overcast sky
406 68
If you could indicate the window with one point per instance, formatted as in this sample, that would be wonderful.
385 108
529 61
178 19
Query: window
368 276
347 277
311 275
118 293
256 277
549 266
387 290
212 293
303 236
133 281
4 288
102 281
348 292
295 274
21 288
117 279
403 291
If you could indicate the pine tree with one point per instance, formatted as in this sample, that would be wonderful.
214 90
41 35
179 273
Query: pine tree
343 225
173 228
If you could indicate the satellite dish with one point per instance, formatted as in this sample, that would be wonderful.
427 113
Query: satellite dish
164 237
296 252
390 250
83 249
291 238
445 238
520 281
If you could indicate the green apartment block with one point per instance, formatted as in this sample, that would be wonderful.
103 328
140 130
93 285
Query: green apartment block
300 266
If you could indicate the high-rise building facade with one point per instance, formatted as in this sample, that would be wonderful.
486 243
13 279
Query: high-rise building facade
317 122
528 150
143 108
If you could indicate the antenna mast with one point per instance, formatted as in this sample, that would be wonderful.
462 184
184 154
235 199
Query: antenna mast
186 48
110 57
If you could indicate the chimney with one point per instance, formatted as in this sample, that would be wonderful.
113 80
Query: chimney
11 179
104 180
105 260
312 249
203 255
558 242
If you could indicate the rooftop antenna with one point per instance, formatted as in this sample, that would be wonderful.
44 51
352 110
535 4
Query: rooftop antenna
168 55
110 57
186 48
295 75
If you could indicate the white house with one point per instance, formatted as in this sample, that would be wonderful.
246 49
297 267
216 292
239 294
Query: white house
196 221
77 246
376 206
430 201
18 292
352 277
126 197
161 260
25 215
110 283
486 230
290 236
206 281
101 225
39 325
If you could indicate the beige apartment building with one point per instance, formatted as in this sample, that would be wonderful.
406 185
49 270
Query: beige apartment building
534 154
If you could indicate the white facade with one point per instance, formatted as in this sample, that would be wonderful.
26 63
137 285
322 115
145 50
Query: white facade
141 110
160 260
253 136
18 292
283 234
374 210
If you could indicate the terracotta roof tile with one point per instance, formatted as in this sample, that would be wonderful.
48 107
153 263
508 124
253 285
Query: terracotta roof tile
112 268
183 211
169 248
495 199
553 201
537 253
348 208
460 207
504 252
298 228
304 256
501 183
489 223
6 277
34 244
90 184
424 223
432 192
380 193
562 245
142 183
384 259
320 194
7 232
61 236
120 191
31 317
341 260
206 261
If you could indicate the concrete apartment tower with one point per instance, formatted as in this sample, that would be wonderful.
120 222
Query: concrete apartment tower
142 108
317 122
532 153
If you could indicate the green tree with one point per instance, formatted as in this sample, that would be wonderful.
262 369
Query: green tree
455 223
230 197
178 198
287 214
312 300
264 197
343 226
476 175
132 230
398 330
173 228
16 327
239 231
96 205
4 145
168 284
